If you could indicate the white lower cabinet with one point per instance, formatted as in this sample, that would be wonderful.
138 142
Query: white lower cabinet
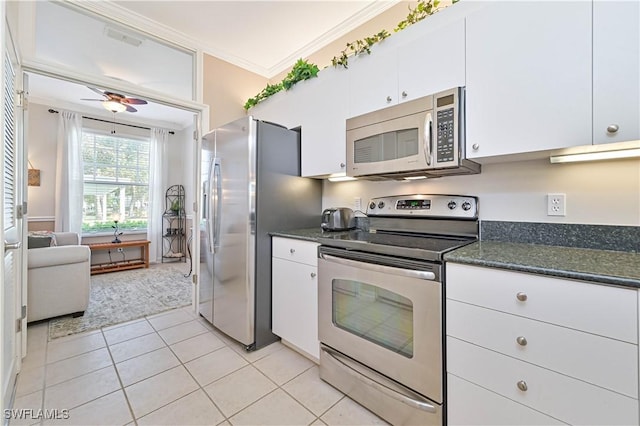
294 298
522 349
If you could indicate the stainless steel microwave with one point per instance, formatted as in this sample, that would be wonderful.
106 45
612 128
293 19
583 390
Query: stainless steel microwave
423 137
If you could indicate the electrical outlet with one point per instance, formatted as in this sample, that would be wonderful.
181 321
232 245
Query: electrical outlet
556 204
119 249
357 203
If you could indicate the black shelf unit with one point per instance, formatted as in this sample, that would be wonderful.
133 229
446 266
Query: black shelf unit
174 224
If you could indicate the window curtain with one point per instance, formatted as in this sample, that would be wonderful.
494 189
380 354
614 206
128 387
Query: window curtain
69 173
158 166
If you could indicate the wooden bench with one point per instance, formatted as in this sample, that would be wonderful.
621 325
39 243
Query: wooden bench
121 265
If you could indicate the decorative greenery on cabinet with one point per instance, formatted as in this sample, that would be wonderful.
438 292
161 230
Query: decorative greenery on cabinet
304 70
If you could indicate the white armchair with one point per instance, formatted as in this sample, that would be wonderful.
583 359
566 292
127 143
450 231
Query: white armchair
58 278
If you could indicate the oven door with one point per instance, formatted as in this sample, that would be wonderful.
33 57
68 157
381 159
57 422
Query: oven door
385 313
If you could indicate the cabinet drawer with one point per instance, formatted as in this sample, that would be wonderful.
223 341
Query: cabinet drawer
562 397
469 404
606 311
295 250
601 361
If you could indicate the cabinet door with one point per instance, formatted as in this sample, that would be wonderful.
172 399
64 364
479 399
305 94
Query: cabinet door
433 61
373 79
616 71
295 304
324 123
528 77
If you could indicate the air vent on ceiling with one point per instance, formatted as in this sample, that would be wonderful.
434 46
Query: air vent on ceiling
120 35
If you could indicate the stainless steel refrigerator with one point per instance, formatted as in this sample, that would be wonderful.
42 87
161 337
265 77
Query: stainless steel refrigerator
251 186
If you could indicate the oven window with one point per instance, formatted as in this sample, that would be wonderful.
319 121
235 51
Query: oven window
375 314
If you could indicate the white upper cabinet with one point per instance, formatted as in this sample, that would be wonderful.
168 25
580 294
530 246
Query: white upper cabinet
283 108
434 59
373 79
421 60
528 77
319 107
324 123
616 71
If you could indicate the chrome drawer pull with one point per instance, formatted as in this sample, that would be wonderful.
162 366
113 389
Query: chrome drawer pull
522 341
521 296
522 385
313 275
292 251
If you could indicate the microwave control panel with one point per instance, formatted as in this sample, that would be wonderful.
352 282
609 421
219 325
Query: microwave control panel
445 137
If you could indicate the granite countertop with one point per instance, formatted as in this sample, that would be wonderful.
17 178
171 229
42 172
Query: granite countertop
307 234
600 266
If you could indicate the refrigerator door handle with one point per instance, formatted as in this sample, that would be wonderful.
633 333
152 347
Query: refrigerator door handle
209 212
217 205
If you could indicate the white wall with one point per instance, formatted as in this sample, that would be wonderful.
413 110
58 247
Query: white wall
41 151
182 164
605 193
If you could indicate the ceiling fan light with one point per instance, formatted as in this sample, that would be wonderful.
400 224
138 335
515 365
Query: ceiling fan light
114 106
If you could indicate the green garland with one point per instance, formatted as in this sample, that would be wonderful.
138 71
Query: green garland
358 47
303 70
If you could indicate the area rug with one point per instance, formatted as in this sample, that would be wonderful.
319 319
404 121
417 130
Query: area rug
127 295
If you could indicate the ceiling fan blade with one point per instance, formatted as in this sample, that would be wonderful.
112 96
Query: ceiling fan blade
99 100
130 108
134 101
98 91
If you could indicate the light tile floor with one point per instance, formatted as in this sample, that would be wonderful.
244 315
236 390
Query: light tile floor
174 369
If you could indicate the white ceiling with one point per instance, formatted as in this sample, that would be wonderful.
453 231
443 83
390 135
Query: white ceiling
265 37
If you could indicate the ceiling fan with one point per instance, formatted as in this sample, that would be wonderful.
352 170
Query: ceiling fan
116 102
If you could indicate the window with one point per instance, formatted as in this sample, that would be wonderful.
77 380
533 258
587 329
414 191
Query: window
116 182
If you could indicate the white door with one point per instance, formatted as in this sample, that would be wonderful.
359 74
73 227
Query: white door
12 231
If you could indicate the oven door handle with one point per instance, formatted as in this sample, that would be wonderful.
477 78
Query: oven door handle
345 363
423 275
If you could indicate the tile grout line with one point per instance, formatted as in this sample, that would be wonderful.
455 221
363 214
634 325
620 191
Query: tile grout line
126 397
200 387
227 343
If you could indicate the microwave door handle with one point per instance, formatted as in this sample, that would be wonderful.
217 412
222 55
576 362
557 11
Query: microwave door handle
428 137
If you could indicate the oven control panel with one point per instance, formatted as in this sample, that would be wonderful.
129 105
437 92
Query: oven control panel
424 205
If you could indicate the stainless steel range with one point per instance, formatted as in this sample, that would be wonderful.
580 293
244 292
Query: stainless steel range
381 309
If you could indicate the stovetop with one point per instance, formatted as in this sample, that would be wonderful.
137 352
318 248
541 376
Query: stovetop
415 226
400 245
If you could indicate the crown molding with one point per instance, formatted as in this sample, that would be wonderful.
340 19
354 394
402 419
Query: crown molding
339 30
119 14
